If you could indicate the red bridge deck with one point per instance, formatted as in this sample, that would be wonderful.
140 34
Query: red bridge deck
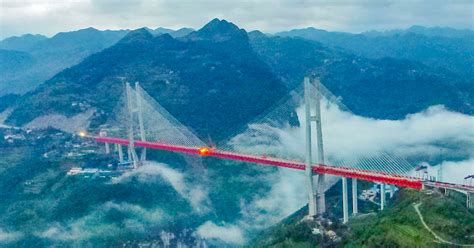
373 176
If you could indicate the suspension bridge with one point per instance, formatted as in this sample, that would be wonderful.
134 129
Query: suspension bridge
141 123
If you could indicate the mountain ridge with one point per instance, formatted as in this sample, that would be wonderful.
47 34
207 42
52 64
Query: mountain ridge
188 75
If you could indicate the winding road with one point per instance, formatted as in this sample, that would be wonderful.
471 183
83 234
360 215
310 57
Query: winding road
441 240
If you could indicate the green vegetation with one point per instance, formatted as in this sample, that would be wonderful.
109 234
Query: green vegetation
7 101
383 88
296 231
397 226
44 207
400 225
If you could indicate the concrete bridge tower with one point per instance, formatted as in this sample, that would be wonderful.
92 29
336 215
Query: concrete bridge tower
309 163
316 197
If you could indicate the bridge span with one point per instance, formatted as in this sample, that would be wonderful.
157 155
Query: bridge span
372 176
142 134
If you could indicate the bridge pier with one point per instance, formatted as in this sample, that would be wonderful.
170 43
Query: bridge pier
469 200
391 191
345 207
120 152
320 194
103 133
382 196
355 208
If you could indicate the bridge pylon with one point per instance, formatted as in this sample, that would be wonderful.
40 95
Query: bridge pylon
138 95
315 183
312 209
132 154
320 192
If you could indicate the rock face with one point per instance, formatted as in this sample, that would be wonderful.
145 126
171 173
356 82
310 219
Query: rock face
71 124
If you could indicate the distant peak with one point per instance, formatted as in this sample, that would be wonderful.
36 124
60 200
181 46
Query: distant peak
85 30
137 34
311 29
220 30
256 34
182 32
219 25
39 36
164 30
140 31
164 37
215 22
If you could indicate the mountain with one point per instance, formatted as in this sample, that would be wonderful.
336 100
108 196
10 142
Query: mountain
21 43
49 56
181 32
174 33
13 63
397 226
161 30
443 49
214 80
427 31
384 88
211 89
6 101
198 78
292 58
219 31
86 40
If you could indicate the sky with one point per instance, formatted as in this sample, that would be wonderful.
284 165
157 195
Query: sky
49 17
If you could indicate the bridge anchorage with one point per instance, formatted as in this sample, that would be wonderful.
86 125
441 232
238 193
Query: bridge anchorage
142 124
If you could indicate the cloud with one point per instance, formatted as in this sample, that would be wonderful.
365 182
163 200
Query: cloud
48 17
150 172
287 195
429 134
227 233
7 237
422 133
136 220
453 171
433 134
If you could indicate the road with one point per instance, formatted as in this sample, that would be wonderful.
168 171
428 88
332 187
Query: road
441 240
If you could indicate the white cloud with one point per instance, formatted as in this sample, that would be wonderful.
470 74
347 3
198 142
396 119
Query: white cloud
195 194
454 171
49 17
419 137
94 224
287 195
347 134
7 237
347 137
227 233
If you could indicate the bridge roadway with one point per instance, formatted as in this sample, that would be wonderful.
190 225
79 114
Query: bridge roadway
366 175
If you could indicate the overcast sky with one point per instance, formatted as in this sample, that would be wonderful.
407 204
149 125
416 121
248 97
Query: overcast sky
51 16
